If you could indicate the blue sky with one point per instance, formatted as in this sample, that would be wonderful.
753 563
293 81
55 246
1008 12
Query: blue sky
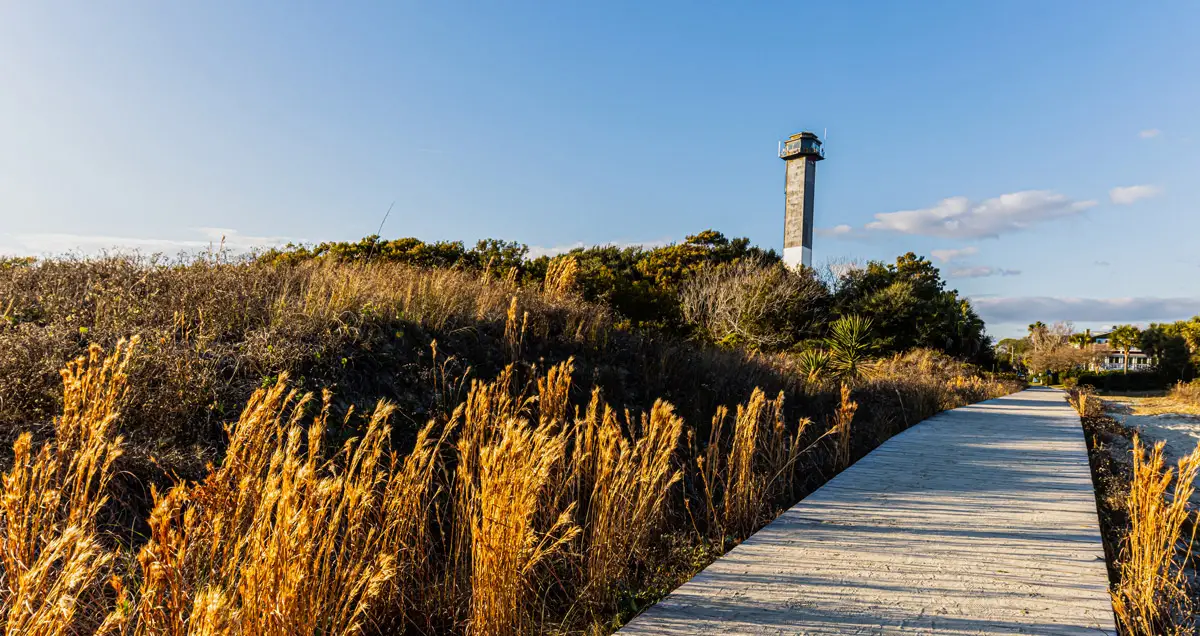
1046 154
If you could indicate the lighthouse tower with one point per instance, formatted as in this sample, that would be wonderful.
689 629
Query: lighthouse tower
800 152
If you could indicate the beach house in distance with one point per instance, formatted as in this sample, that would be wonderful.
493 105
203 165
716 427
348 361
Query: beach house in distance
1114 359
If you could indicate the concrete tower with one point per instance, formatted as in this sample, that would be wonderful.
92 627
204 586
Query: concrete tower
801 152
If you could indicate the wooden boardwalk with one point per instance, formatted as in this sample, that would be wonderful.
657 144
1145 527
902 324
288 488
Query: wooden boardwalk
980 520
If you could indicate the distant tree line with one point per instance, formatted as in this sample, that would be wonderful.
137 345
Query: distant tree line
721 289
1173 348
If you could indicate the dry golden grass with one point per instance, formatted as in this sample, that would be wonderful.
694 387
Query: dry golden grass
744 488
213 331
1152 595
841 426
515 470
561 275
742 478
281 539
1186 395
1085 400
1187 391
514 514
52 558
629 480
1151 405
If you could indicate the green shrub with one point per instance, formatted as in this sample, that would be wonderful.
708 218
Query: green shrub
1117 381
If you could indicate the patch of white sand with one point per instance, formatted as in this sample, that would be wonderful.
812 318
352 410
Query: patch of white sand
1181 432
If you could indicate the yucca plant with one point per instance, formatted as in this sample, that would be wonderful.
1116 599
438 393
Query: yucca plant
814 364
850 344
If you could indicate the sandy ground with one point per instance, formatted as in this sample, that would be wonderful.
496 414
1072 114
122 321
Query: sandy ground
1162 419
1159 419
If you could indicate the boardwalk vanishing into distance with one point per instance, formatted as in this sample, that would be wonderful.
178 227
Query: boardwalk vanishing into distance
980 520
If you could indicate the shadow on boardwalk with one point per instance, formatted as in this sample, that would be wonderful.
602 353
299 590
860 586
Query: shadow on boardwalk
981 520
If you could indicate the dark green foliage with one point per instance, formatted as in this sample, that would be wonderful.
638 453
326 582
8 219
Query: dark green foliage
1119 381
912 308
1011 353
1167 345
642 285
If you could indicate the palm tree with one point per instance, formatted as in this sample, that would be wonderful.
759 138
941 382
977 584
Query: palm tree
1125 337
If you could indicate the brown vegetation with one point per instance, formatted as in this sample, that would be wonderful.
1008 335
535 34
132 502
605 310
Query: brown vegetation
1051 349
1186 394
53 559
525 504
1152 596
755 304
1145 518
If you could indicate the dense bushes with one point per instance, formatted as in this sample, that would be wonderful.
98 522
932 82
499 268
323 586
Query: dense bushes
911 307
641 285
757 305
1174 347
714 288
1116 381
213 332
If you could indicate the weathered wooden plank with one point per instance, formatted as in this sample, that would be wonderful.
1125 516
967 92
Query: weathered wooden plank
981 520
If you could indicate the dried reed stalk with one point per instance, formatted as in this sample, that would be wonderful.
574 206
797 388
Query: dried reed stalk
1152 595
282 539
841 424
561 275
51 560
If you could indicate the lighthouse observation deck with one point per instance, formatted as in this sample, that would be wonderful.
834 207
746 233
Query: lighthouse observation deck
803 144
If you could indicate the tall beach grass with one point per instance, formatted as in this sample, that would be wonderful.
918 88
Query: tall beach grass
521 463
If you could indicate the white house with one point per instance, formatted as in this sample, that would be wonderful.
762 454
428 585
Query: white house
1114 359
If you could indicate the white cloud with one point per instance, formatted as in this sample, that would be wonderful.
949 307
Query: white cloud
538 251
208 237
1149 133
948 255
1130 194
982 272
1102 310
837 230
960 218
